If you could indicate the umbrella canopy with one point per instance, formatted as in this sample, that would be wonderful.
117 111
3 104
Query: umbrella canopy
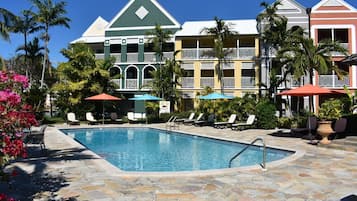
350 60
215 96
306 90
103 97
145 97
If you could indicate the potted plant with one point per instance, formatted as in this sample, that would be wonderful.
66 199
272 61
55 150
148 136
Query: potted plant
330 110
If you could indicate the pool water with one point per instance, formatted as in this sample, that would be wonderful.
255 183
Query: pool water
147 149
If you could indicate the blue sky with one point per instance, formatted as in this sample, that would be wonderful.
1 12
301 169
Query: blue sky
84 12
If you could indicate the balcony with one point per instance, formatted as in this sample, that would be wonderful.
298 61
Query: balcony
132 57
189 53
117 57
99 56
333 81
117 82
187 82
246 53
146 83
248 82
228 82
149 57
207 82
131 83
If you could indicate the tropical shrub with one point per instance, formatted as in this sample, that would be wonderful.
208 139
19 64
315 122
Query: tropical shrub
285 122
330 109
265 112
15 116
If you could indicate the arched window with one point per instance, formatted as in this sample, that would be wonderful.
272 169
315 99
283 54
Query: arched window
131 77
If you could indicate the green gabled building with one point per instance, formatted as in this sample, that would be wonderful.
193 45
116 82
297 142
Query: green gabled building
126 38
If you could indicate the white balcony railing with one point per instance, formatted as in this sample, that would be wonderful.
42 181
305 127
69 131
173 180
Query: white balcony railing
189 53
117 82
248 82
117 56
131 83
168 55
146 83
333 81
207 82
228 82
99 56
149 57
132 57
187 82
246 52
206 53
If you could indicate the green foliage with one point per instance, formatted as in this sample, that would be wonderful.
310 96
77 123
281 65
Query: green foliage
265 113
330 109
82 76
285 122
36 97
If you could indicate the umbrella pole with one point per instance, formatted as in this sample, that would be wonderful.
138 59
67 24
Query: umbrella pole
103 112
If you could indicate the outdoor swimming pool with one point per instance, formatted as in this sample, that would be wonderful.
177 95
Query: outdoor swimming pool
154 150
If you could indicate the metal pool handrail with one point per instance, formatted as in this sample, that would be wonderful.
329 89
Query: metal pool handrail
263 165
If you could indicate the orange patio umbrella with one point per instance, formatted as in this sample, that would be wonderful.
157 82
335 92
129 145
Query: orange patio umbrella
103 97
306 90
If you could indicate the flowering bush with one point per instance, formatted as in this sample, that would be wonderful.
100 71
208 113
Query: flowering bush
15 116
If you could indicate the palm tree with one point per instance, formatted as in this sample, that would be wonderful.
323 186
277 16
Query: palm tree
49 14
271 28
34 53
221 32
159 38
6 22
304 57
25 25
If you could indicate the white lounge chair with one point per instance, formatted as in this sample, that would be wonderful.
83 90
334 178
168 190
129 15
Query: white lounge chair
131 117
192 121
241 126
90 118
171 122
71 119
181 120
224 124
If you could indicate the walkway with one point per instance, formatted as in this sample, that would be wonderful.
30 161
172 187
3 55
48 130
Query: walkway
70 172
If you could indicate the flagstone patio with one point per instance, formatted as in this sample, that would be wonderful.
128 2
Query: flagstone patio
70 172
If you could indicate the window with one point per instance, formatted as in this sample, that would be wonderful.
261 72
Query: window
341 35
115 48
207 73
131 73
324 34
188 73
132 48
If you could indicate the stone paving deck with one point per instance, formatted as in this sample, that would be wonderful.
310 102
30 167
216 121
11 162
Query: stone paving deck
70 172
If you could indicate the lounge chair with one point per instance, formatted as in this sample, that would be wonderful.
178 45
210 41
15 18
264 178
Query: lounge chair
171 123
339 127
131 117
225 124
71 119
311 126
36 136
90 118
210 121
192 121
181 120
115 119
241 126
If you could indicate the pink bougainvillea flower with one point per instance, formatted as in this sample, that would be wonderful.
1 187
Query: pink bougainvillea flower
21 79
3 76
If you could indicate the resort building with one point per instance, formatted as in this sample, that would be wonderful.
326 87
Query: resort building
126 38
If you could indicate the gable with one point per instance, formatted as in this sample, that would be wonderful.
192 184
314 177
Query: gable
289 7
333 5
142 14
96 28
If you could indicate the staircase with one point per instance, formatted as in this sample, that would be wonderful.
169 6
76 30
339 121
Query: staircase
348 144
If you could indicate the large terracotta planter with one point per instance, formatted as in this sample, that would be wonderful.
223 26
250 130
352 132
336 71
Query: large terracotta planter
325 130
